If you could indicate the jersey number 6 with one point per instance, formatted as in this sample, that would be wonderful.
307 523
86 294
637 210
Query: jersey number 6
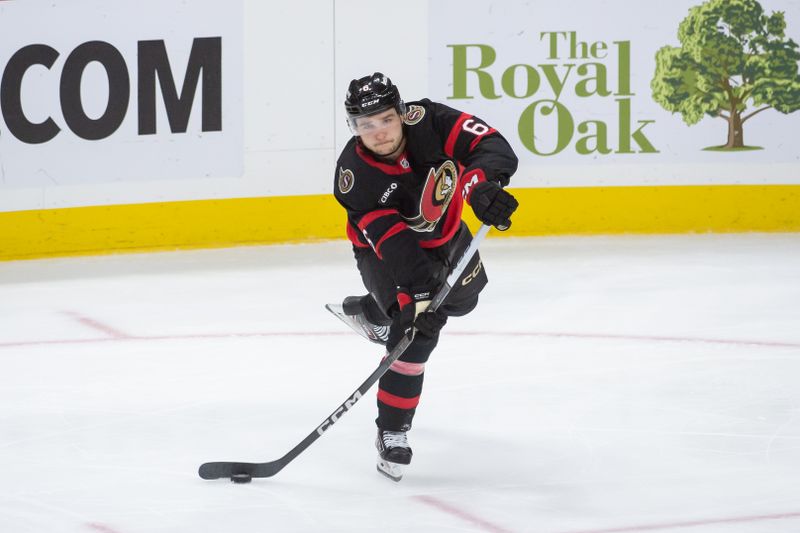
475 128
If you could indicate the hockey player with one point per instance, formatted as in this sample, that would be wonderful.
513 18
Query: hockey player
403 179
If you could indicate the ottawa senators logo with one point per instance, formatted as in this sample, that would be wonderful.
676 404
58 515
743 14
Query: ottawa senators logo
440 186
414 114
346 180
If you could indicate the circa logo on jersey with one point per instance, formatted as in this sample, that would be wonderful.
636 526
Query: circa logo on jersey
439 189
346 180
414 114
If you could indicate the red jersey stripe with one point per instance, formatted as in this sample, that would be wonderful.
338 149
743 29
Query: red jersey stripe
354 236
450 145
372 216
394 230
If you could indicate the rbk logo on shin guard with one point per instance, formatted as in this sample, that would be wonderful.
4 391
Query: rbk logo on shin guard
440 186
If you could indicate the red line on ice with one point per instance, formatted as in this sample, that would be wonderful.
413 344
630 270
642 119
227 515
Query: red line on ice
117 336
102 528
95 324
460 513
612 336
692 523
174 337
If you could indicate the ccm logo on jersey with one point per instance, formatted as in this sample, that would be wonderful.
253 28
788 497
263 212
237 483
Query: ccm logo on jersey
388 192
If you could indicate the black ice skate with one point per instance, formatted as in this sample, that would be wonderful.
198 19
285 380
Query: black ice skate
352 314
393 453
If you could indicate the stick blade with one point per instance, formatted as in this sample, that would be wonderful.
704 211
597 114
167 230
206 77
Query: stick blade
226 469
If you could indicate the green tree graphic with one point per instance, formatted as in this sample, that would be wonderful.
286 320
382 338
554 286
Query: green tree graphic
731 54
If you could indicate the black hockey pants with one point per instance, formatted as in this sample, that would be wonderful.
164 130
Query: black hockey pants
400 388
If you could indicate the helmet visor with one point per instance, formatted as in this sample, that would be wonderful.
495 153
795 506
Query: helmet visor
375 122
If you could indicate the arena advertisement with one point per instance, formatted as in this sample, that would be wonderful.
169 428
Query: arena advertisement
161 123
120 93
622 93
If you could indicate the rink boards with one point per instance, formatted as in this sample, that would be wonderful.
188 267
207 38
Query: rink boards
552 211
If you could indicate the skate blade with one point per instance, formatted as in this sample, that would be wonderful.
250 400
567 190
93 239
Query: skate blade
393 471
366 332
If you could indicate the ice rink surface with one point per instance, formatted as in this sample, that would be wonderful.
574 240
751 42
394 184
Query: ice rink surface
603 385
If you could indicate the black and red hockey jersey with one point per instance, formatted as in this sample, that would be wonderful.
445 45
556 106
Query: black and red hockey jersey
401 207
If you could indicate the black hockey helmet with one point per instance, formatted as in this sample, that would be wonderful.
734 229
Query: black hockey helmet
369 95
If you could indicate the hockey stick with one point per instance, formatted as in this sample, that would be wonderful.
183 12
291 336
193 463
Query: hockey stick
229 469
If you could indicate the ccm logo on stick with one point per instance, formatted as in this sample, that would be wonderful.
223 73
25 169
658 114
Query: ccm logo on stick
339 412
204 68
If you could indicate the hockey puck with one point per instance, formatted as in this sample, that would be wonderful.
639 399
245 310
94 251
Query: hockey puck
241 478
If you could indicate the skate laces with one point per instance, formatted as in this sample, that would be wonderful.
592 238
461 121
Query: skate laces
394 439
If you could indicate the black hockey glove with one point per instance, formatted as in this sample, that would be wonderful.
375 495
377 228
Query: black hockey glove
413 313
492 205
